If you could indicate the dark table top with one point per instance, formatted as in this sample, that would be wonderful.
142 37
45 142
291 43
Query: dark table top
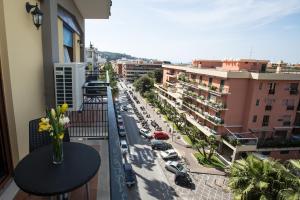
36 174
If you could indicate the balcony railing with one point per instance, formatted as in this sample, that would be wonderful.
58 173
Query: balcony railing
201 99
171 82
278 143
204 115
239 139
117 176
209 88
171 74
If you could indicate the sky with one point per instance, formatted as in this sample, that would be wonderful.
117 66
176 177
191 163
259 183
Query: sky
183 30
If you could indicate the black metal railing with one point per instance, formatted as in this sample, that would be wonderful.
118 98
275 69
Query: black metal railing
96 75
89 123
117 176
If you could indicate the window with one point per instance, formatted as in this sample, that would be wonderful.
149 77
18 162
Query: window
257 102
289 103
200 78
266 120
222 83
269 103
254 118
210 81
263 68
294 88
68 44
272 88
260 86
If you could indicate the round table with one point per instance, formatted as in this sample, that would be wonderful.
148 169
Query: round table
36 174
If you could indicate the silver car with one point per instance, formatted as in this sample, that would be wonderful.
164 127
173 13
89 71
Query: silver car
175 167
169 154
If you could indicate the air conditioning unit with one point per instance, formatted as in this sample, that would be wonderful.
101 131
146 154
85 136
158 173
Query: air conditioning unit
69 79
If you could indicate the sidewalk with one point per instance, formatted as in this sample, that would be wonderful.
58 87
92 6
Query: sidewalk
179 144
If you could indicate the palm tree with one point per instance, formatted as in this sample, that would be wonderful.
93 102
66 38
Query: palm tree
253 178
200 145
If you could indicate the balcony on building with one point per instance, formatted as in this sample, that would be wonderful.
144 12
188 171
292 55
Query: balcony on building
241 141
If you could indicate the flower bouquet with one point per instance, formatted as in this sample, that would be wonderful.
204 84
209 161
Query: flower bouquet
56 123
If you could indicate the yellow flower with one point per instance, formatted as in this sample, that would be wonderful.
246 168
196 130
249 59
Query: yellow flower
61 136
64 108
44 126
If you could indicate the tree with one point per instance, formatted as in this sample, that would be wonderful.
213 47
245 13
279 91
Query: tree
254 178
150 95
201 144
143 84
158 75
212 142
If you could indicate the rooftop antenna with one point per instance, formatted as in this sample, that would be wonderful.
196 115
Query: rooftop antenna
250 53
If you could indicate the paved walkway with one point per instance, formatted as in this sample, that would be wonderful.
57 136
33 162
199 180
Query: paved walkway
178 144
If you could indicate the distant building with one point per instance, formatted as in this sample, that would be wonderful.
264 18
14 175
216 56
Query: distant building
133 69
207 63
93 57
247 106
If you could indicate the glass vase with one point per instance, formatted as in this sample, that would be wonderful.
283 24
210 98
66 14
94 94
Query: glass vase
58 154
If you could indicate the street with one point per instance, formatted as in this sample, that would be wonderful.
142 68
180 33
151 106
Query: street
153 180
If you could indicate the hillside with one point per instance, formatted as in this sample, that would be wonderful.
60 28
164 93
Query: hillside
115 56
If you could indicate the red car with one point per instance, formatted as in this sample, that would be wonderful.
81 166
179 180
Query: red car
160 135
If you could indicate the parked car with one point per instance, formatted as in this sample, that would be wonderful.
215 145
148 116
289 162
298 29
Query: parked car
174 166
120 121
153 123
183 179
158 128
124 146
122 131
146 133
169 154
119 117
124 108
160 145
130 178
160 135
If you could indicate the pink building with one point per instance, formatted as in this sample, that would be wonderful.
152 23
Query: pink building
207 63
246 107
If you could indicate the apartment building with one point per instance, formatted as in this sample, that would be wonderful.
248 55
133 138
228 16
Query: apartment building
133 69
27 58
247 107
93 57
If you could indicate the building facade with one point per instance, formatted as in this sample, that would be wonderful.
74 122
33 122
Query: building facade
27 57
246 107
133 69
